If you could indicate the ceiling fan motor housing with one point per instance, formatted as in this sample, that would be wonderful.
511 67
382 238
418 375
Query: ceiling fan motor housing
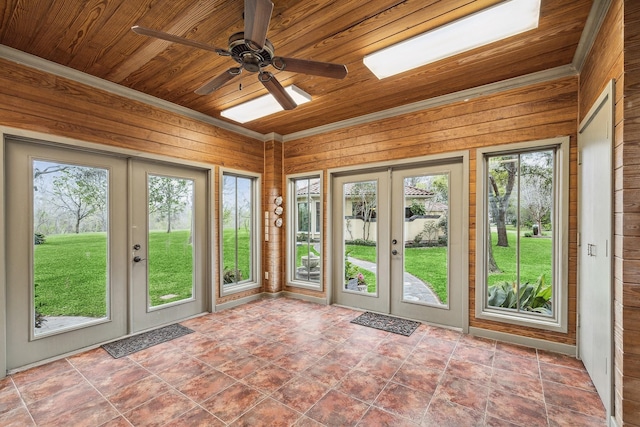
249 59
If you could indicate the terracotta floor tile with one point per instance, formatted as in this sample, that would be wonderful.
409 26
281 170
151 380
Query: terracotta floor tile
563 417
522 385
268 378
233 401
310 367
438 346
242 366
138 393
516 409
119 379
479 374
337 409
376 417
559 359
418 377
268 413
160 410
469 353
361 385
444 413
196 417
516 363
296 362
576 399
463 392
567 376
41 372
203 387
403 401
301 393
380 366
428 359
18 417
327 371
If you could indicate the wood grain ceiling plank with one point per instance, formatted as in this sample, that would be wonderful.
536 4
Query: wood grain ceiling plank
182 23
8 9
28 22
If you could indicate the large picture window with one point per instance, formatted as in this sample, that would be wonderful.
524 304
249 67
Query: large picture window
305 237
239 242
522 242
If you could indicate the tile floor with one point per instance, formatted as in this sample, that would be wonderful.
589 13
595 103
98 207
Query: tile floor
286 362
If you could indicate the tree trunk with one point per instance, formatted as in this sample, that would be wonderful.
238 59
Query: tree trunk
502 229
492 266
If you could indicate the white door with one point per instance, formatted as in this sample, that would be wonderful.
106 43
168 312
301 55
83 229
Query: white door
398 236
595 331
169 243
426 242
66 263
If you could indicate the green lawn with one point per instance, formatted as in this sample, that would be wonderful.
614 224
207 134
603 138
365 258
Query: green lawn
243 244
430 264
71 277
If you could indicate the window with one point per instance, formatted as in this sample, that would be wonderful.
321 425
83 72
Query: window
239 240
522 241
304 252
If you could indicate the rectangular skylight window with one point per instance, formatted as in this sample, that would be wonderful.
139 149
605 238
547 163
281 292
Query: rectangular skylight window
481 28
263 106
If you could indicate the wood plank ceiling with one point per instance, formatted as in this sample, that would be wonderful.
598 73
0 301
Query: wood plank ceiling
94 36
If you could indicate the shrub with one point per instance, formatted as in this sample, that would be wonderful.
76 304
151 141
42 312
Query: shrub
39 239
527 234
532 297
231 276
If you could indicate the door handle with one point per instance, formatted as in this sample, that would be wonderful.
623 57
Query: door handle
394 252
137 258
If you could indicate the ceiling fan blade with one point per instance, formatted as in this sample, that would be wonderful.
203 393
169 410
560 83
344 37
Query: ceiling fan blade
218 81
176 39
314 68
275 88
257 14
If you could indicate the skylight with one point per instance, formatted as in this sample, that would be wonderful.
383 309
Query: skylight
494 23
263 106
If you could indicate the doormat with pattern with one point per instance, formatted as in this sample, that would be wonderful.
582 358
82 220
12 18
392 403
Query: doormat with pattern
130 345
386 323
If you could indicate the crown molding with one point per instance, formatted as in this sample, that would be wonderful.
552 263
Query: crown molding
50 67
464 95
596 16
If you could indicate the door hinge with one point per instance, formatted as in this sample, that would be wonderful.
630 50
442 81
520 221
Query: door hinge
579 157
579 235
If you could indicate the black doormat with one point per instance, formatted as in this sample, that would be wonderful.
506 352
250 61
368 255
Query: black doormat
386 323
130 345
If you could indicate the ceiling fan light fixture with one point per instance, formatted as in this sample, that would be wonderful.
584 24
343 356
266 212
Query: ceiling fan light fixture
494 23
263 106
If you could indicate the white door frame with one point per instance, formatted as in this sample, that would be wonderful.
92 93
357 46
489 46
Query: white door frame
453 156
63 142
606 103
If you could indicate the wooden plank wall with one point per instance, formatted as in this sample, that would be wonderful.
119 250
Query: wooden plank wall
536 112
41 102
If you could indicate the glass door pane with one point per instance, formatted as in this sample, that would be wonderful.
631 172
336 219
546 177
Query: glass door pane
70 229
170 253
360 239
426 243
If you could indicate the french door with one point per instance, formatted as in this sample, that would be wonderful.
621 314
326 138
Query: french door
90 254
399 235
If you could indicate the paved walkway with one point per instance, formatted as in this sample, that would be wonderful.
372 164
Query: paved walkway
414 289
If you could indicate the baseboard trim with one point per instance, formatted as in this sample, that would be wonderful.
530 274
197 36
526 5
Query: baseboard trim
525 341
303 297
238 302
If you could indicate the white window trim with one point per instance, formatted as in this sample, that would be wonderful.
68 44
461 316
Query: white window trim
558 322
256 237
293 228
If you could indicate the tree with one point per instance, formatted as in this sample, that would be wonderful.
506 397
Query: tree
81 192
168 197
537 186
502 178
364 198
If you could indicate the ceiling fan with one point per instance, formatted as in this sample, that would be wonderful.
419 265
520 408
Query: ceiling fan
253 52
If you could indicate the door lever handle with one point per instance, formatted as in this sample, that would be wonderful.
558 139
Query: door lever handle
394 252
